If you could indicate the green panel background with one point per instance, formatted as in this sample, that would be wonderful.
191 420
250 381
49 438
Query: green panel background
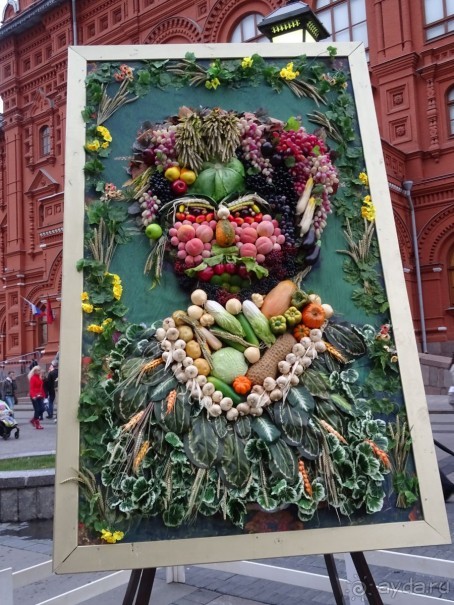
148 305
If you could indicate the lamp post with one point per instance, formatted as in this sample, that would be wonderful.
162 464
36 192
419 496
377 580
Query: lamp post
294 22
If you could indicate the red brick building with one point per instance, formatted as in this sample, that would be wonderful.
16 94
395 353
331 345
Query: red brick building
411 54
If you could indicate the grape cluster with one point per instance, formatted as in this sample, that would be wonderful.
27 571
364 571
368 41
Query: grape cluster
150 206
162 142
252 137
160 187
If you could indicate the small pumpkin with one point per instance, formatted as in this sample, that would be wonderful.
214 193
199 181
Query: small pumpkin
313 315
242 385
300 331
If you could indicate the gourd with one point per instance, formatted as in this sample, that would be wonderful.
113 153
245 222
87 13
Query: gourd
278 300
218 180
225 233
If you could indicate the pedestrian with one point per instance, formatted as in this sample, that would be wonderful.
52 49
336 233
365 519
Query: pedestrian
33 364
451 388
37 395
50 384
9 390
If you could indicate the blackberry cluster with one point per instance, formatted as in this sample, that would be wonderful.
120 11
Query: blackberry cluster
283 184
280 204
258 184
160 187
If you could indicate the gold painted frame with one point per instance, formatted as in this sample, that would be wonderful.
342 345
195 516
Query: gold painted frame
68 555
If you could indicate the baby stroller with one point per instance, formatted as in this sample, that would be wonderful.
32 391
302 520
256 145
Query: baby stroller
7 422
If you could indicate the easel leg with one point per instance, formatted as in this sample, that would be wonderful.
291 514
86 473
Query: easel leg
334 579
365 576
139 586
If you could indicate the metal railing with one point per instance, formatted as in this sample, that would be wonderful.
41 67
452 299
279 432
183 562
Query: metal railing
390 592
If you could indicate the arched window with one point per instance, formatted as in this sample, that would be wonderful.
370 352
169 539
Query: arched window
247 31
451 277
44 141
439 17
450 99
344 19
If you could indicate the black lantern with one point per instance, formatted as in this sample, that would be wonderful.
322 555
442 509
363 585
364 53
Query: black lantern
294 22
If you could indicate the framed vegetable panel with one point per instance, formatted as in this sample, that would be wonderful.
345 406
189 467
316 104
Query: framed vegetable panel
239 372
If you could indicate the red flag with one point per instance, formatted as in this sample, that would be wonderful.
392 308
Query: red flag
49 313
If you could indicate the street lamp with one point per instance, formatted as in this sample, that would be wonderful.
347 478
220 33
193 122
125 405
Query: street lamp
294 22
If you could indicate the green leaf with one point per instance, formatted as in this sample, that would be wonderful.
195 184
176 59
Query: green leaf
256 450
345 339
283 463
310 444
265 429
291 421
201 444
174 515
234 468
236 511
301 399
174 441
349 375
342 403
317 383
243 427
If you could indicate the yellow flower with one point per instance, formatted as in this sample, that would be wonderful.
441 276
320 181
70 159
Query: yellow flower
367 200
116 278
84 296
111 537
368 212
106 322
364 179
117 291
212 84
87 308
95 329
247 62
93 145
105 145
288 73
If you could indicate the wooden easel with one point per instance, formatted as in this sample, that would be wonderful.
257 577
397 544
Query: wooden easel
140 583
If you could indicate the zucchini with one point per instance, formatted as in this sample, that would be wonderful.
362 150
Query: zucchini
250 336
225 389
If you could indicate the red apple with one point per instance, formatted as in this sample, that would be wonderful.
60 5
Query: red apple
179 187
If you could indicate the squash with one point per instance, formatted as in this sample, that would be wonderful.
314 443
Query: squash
278 300
242 385
225 233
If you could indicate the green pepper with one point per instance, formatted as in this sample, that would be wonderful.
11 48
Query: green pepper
299 299
278 325
293 316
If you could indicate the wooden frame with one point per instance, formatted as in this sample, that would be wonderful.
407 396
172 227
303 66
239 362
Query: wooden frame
71 557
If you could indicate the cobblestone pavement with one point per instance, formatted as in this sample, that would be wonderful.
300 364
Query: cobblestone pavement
23 545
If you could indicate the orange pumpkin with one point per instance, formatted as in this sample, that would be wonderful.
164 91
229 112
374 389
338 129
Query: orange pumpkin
300 331
242 385
313 315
